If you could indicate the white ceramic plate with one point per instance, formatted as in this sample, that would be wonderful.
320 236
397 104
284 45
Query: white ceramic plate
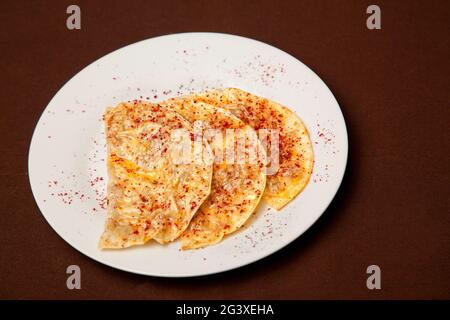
66 160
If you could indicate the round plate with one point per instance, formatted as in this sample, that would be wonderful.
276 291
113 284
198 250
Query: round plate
67 154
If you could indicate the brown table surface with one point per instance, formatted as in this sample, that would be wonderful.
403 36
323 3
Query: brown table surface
392 85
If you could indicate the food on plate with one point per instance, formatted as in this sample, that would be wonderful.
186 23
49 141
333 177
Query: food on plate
241 148
237 186
290 176
151 195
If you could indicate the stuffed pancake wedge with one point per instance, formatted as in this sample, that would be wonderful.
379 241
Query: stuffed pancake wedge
238 182
150 192
295 153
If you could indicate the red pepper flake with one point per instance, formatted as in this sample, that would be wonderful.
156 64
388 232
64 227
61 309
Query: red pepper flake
95 181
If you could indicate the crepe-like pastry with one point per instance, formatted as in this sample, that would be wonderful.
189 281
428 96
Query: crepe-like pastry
296 158
238 182
151 194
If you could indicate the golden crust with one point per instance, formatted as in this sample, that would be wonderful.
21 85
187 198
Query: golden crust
296 158
236 187
150 195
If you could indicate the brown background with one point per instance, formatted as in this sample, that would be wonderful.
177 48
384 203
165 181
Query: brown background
392 85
